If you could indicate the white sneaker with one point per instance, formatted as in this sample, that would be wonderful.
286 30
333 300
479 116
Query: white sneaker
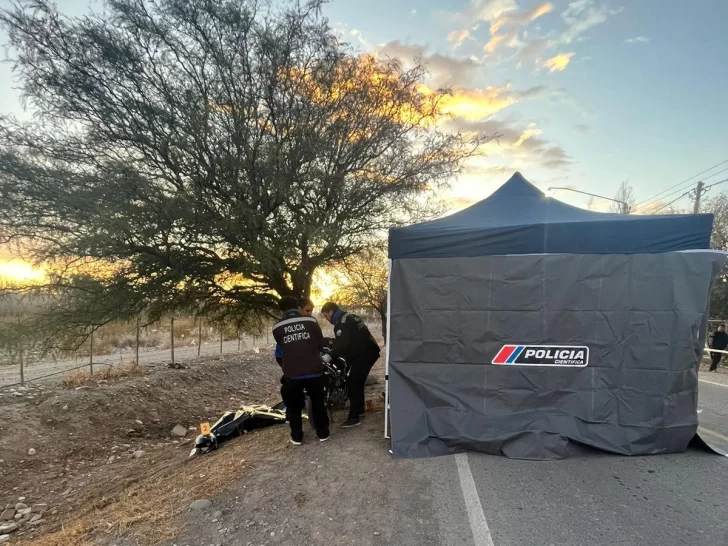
294 442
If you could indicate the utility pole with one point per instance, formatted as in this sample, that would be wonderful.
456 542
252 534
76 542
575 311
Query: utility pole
698 194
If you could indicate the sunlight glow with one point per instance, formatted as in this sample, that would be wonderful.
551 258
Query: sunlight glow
19 272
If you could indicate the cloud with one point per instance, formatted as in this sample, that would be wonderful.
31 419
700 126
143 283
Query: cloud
495 41
523 146
477 104
358 35
456 203
465 100
638 40
555 158
473 105
526 135
457 37
581 16
533 50
582 128
489 10
531 92
558 63
500 15
445 70
520 17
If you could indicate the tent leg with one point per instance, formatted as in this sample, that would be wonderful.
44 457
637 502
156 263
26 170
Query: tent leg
389 343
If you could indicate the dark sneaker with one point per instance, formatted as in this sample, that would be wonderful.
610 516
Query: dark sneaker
351 423
294 442
325 439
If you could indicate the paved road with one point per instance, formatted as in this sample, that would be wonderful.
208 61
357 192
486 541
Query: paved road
350 491
599 499
713 407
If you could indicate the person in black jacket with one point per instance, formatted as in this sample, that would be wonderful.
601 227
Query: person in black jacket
357 346
719 342
301 342
305 307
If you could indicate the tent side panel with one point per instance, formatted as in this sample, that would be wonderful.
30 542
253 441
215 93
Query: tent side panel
641 316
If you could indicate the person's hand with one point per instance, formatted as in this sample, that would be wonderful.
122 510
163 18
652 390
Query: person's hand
326 358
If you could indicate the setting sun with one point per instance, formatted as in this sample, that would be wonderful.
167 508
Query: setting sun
325 285
18 271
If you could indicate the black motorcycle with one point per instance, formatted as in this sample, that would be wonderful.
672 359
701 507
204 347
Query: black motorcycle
335 391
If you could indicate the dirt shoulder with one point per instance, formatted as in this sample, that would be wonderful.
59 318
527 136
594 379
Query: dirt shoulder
100 461
345 491
80 451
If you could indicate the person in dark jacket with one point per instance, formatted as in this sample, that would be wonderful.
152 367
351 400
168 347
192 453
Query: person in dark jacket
719 342
357 346
301 342
305 307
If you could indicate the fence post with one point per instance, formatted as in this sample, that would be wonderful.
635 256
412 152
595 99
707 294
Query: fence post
137 342
199 337
171 338
91 353
20 355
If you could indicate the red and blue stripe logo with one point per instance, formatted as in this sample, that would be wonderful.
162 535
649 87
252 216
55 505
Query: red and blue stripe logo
543 355
508 354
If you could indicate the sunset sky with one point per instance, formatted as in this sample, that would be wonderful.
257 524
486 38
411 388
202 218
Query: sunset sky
585 93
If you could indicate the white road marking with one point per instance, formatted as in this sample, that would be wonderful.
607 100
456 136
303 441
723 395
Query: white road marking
478 524
713 383
712 433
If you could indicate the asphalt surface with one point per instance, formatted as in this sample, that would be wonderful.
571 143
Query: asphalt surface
598 499
352 492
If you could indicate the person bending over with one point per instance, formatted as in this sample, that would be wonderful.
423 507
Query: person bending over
357 346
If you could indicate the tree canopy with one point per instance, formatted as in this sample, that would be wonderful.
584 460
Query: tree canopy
212 153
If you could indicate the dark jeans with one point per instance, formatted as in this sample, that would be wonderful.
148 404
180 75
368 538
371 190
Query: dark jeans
294 398
360 369
715 360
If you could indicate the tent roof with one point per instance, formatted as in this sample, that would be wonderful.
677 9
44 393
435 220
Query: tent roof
519 219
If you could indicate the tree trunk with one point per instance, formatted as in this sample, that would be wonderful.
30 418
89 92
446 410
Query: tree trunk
302 282
383 316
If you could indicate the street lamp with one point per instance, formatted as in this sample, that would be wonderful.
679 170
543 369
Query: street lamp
624 207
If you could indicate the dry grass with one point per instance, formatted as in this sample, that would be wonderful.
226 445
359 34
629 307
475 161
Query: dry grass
78 378
147 510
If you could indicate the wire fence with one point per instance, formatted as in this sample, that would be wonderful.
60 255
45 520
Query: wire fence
172 341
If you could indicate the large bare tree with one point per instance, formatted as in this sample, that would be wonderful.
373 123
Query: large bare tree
212 153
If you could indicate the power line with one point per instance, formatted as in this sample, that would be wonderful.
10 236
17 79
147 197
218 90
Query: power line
671 202
688 193
716 183
683 188
648 200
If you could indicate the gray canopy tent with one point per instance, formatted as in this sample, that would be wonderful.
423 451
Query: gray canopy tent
526 327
